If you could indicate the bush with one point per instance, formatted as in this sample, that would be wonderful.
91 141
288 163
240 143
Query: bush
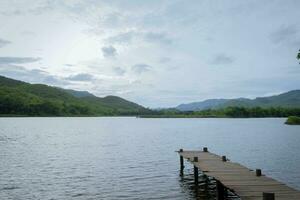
293 120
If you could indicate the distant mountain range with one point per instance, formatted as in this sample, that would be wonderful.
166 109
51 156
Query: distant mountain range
289 100
21 98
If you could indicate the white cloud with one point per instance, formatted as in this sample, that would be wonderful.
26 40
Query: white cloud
17 60
109 51
4 42
119 71
286 34
145 36
156 53
31 75
141 68
80 77
222 59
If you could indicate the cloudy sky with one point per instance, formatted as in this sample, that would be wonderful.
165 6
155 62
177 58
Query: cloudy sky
157 53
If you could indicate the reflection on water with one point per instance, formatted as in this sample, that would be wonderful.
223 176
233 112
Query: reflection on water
133 158
205 189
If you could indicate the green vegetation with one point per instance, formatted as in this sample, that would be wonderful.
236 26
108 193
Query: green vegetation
293 120
289 99
20 98
232 112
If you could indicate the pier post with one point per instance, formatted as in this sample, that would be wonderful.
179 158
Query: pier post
268 196
205 149
224 159
195 159
181 163
196 172
220 190
206 182
258 172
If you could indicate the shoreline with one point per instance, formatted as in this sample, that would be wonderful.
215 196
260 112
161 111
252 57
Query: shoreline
139 116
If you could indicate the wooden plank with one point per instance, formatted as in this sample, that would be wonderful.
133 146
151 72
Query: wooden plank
265 188
276 198
239 179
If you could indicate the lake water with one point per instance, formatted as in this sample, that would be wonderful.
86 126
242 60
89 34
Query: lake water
133 158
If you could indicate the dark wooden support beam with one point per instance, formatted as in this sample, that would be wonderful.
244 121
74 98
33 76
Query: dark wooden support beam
196 175
196 172
268 196
205 149
181 163
195 159
220 191
224 159
258 172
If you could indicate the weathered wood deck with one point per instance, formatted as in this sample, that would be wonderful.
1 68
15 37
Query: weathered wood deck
246 183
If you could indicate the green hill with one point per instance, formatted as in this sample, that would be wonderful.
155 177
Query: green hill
20 98
78 93
289 99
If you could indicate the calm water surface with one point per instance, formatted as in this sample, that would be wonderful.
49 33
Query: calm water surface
133 158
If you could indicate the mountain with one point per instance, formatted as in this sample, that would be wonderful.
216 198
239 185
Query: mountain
288 100
79 94
202 105
21 98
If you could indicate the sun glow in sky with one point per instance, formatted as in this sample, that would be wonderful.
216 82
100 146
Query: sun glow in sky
155 53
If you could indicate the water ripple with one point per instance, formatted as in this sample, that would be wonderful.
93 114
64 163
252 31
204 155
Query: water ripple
133 158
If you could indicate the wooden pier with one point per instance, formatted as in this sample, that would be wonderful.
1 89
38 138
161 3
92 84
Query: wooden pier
245 183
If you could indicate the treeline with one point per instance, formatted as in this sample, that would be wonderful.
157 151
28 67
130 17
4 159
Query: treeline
232 112
261 112
16 102
18 98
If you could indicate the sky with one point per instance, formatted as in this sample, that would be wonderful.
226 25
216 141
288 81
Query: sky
158 53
